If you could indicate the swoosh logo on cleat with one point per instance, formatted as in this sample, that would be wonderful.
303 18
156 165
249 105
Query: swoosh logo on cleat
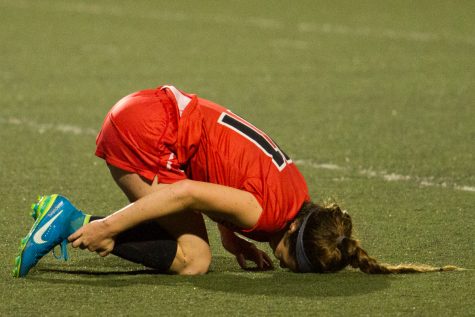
39 234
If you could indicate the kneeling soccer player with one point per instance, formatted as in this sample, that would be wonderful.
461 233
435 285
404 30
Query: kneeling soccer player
178 157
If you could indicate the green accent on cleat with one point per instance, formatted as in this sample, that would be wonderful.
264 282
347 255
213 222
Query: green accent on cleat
16 269
41 205
87 219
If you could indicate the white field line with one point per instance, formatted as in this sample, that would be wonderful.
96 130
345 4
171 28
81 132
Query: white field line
386 176
363 31
253 22
44 127
368 173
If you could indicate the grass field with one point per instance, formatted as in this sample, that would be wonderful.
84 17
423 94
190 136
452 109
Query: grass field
374 100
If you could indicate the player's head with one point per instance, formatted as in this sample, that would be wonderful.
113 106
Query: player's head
320 240
323 240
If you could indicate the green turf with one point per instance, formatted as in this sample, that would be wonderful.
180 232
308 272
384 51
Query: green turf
380 89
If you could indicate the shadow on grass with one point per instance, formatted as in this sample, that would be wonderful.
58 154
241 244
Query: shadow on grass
275 283
102 273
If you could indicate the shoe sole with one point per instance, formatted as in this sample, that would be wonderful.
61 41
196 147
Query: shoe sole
40 209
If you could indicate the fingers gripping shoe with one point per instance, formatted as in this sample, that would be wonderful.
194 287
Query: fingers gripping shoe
56 219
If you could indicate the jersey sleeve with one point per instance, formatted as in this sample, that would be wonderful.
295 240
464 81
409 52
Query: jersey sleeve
281 197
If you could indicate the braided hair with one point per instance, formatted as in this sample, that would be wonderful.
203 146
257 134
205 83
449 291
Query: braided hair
329 245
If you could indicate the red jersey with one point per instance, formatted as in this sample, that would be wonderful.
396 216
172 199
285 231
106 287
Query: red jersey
206 142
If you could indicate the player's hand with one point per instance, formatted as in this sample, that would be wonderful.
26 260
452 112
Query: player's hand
249 252
244 250
95 237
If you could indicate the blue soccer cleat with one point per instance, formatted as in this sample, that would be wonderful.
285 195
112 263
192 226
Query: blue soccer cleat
56 219
35 213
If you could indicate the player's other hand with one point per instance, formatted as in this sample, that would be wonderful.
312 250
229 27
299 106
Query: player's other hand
244 250
249 252
95 237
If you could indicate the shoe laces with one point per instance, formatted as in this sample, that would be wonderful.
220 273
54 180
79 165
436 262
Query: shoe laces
64 251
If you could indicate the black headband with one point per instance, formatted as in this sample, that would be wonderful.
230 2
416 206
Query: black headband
304 264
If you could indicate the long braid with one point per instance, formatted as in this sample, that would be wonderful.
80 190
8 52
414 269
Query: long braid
359 258
330 247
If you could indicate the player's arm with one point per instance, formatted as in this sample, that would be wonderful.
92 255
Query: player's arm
243 250
219 202
230 241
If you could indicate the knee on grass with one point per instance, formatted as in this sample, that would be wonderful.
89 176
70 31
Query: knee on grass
193 264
